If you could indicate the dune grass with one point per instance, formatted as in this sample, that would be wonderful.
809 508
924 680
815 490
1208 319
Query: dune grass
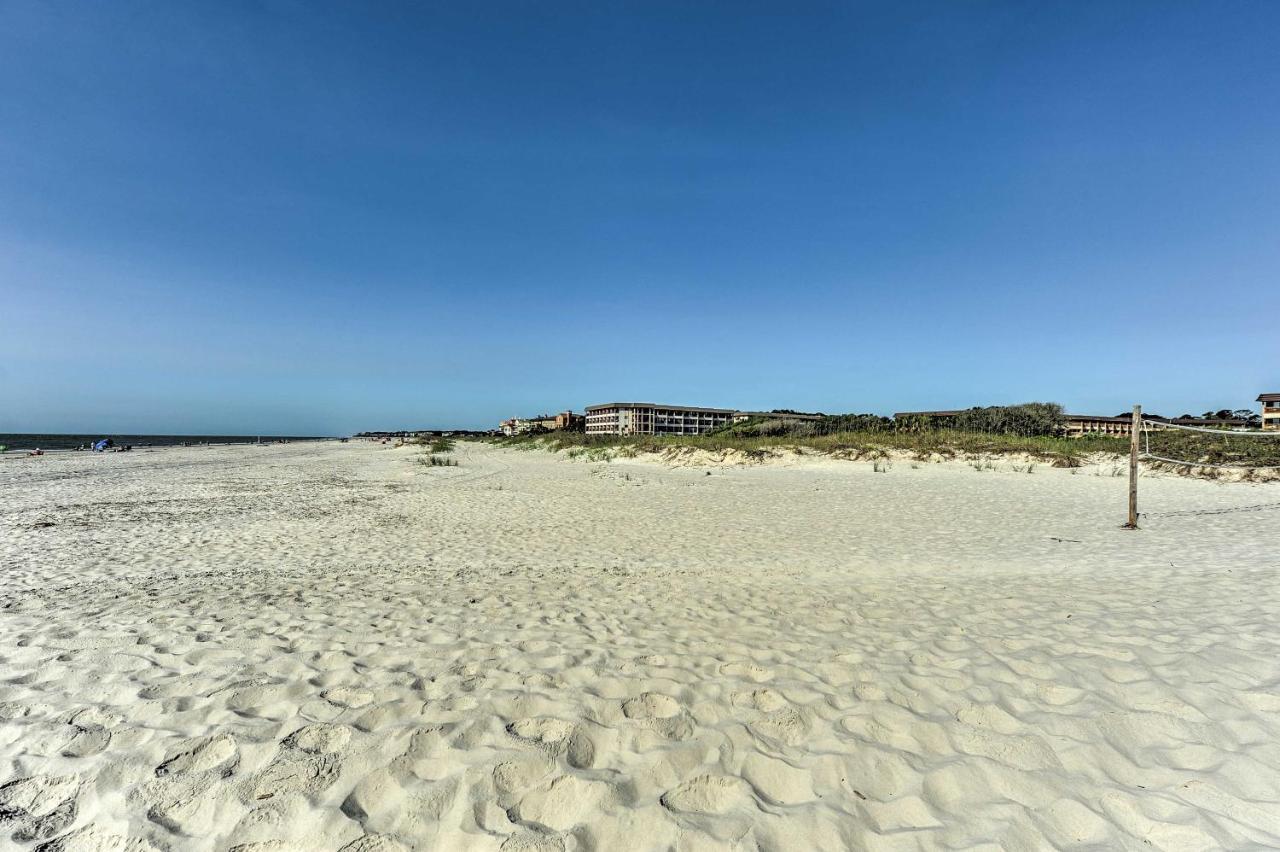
1228 449
922 444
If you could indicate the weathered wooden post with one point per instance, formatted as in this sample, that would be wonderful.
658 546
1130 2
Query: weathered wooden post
1134 447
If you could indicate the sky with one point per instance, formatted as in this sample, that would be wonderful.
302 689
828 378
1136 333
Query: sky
318 218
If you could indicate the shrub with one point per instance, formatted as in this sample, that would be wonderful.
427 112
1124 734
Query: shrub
1028 419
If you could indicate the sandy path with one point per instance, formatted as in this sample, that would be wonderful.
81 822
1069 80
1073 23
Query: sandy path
328 646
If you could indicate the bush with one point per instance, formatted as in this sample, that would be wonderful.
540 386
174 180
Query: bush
1028 419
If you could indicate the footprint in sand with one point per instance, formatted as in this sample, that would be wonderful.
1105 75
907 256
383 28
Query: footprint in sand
217 752
90 838
86 742
547 733
660 712
532 843
308 762
651 705
184 803
90 732
749 671
268 701
514 777
12 710
94 717
765 700
329 660
563 803
787 726
347 696
41 806
708 794
320 738
555 736
296 775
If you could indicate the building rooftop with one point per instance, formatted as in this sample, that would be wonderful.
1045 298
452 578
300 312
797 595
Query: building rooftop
1101 418
659 405
1269 397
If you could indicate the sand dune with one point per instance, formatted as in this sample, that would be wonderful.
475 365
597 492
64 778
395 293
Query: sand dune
332 647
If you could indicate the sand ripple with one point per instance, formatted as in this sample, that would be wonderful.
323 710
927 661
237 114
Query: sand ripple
334 648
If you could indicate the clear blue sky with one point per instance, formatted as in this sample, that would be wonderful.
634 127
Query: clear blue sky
317 218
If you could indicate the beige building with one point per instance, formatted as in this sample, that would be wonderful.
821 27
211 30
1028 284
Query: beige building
1270 411
650 418
543 422
1090 424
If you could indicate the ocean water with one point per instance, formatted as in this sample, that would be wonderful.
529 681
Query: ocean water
21 441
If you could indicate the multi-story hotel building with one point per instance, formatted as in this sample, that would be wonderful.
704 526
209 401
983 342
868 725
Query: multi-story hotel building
1270 411
648 418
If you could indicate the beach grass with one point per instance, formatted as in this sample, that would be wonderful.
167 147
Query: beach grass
1224 449
855 444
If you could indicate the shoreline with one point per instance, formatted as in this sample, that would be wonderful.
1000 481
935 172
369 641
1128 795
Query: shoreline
14 451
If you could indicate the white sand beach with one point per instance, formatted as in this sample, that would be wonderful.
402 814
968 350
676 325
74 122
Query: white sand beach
333 647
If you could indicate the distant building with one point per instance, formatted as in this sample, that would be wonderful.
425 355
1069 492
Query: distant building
569 420
1270 411
1076 425
520 425
650 418
1090 424
542 422
1236 423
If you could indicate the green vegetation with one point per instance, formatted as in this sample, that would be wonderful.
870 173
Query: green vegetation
870 444
433 445
1033 431
1223 448
1028 419
438 461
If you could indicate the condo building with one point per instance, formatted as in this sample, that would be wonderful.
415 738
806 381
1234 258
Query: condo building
1270 411
649 418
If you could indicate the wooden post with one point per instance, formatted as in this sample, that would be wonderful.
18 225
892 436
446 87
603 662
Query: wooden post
1134 448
